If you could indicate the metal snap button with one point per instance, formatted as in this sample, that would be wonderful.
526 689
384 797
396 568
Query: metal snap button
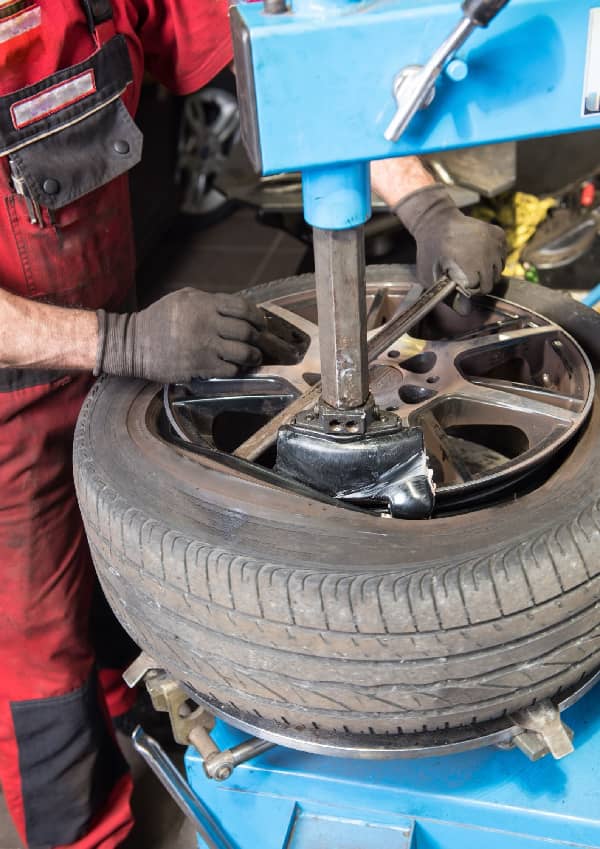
51 186
121 146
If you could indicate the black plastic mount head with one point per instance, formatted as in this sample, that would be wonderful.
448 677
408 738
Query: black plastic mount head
385 470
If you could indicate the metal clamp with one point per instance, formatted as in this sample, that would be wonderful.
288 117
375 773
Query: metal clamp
191 725
168 697
543 732
414 85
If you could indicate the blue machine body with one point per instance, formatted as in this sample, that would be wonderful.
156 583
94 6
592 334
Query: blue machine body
320 80
484 799
323 80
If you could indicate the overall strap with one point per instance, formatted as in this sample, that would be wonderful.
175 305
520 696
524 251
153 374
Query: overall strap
99 15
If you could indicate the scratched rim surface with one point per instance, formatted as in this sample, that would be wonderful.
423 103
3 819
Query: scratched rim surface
498 393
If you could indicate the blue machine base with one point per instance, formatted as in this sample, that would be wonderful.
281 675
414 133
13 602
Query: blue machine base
485 799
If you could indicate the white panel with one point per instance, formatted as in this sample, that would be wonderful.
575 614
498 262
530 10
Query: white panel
591 94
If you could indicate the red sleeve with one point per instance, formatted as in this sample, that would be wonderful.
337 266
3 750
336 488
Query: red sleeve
186 42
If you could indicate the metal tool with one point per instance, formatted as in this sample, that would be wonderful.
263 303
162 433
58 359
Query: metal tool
192 806
414 85
220 763
341 303
34 210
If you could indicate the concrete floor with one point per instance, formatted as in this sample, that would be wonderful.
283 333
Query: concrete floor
236 253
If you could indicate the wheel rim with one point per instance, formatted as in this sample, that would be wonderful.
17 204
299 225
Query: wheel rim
497 393
209 129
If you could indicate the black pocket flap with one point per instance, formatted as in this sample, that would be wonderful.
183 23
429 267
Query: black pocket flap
67 165
107 74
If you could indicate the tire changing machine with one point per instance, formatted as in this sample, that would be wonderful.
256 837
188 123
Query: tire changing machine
325 86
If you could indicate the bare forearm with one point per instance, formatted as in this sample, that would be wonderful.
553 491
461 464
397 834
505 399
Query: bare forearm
394 179
35 335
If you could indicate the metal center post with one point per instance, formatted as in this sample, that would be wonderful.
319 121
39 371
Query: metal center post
341 304
337 202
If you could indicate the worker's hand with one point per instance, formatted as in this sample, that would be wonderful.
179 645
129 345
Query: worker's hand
469 251
186 334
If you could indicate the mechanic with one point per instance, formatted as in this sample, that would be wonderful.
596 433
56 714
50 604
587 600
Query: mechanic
71 77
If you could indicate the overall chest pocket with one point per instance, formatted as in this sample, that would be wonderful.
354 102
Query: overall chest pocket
69 142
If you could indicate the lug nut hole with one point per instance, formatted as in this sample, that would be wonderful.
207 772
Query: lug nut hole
411 394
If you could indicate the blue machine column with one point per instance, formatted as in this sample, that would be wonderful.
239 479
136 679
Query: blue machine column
337 197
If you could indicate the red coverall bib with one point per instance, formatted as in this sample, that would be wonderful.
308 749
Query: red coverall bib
62 776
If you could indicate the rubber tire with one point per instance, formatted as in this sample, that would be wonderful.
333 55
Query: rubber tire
290 610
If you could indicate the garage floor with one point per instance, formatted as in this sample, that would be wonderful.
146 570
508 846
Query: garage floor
234 254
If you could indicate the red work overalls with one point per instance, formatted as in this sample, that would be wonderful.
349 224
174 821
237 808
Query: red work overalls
70 75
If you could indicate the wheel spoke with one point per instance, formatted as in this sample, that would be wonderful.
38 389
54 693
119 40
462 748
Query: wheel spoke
227 122
534 393
503 338
310 364
375 313
298 321
487 404
193 410
294 375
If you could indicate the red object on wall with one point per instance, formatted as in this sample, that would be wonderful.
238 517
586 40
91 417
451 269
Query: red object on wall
587 197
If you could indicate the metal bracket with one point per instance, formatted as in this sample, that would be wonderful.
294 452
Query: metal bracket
347 424
219 764
543 732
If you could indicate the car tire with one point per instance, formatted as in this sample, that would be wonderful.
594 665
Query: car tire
295 611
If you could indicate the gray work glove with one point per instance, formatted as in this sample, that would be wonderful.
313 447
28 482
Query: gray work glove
469 251
184 335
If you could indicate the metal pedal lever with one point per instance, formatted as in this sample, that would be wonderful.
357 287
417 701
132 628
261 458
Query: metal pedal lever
177 787
414 85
